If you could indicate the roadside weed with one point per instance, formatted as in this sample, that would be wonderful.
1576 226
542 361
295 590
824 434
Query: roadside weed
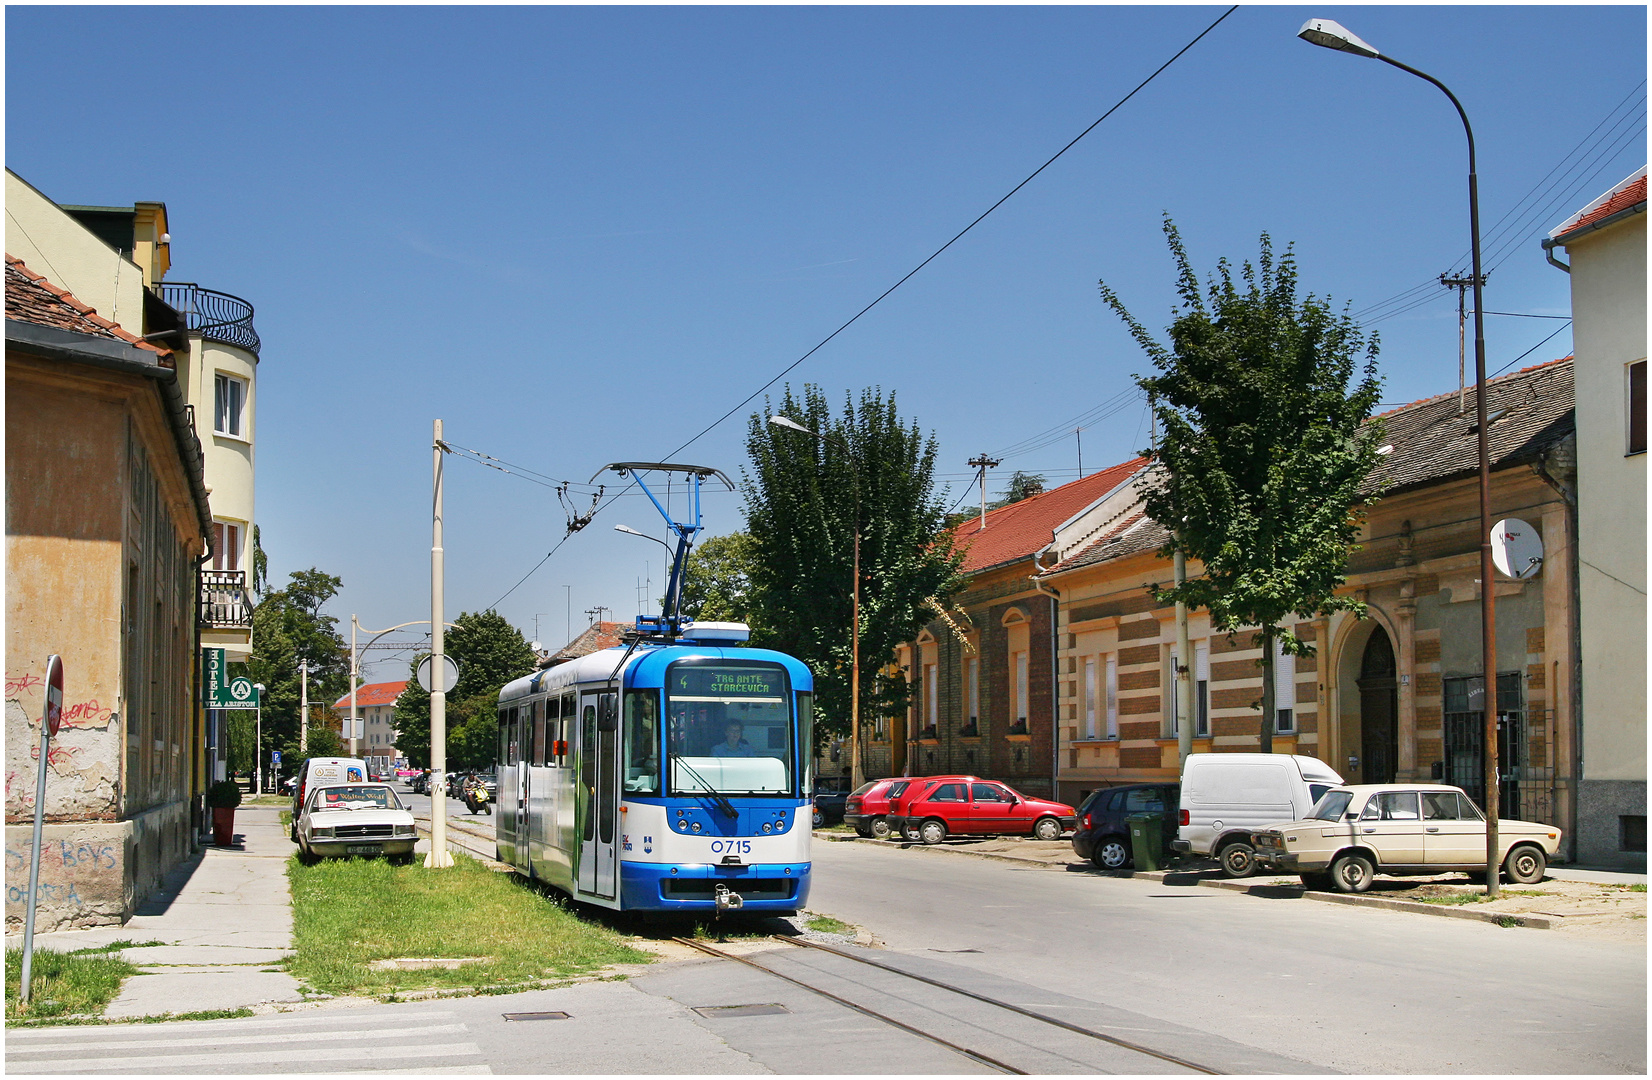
825 924
64 984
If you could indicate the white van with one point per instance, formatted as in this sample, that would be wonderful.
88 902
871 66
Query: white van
1225 797
324 770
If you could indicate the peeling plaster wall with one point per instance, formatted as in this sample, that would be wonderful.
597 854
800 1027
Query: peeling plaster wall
70 519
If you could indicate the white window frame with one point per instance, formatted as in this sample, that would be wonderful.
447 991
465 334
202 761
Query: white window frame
1018 662
1201 690
1089 697
226 547
972 669
932 698
1284 690
1112 697
236 415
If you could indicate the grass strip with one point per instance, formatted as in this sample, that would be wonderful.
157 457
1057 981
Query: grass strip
348 913
63 983
825 924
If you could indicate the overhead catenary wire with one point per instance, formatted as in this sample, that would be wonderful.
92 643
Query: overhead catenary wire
904 279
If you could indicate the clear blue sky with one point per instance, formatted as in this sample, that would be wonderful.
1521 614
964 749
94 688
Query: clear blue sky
578 235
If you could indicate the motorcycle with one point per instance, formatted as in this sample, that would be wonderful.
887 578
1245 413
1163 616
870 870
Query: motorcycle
477 799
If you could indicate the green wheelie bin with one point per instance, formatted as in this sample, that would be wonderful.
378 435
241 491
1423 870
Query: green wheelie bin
1147 840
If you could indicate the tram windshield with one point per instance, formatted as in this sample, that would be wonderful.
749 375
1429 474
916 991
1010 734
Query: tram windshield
729 729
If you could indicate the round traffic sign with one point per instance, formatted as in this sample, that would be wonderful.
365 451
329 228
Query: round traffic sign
450 674
54 693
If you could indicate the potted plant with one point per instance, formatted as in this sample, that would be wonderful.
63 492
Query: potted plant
223 797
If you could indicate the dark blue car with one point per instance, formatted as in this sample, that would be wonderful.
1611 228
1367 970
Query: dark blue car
1103 833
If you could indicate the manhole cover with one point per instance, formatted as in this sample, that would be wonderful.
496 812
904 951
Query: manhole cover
536 1016
712 1012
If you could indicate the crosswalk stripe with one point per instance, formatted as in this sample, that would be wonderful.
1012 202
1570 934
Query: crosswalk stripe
171 1062
453 1070
350 1016
241 1040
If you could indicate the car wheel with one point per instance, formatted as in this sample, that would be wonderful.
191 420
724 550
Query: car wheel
1317 882
819 818
1112 854
1352 873
1525 865
1047 829
932 832
880 828
1238 859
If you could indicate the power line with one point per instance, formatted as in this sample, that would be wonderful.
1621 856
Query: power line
1529 351
910 274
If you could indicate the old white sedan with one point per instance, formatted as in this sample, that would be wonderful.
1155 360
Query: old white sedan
355 819
1358 831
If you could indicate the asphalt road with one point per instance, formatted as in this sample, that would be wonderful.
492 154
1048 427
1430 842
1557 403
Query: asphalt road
1346 989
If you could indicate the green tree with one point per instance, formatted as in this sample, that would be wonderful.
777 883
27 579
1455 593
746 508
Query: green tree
288 626
717 580
489 652
1022 485
1261 470
801 513
324 742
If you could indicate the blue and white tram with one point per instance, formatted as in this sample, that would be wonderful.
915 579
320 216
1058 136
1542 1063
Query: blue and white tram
586 806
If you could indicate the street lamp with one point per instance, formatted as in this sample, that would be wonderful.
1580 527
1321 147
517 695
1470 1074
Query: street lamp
1332 35
856 773
258 742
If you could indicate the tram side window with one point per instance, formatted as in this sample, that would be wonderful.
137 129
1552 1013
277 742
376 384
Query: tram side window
504 735
512 739
553 711
536 755
642 742
569 714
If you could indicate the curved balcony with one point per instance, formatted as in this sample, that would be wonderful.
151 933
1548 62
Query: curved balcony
215 316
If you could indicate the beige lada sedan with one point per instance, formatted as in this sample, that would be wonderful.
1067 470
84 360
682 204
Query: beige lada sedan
1356 832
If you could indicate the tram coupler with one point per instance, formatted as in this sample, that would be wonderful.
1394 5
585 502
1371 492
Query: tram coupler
728 901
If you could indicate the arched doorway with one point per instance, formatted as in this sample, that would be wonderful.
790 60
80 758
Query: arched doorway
1379 710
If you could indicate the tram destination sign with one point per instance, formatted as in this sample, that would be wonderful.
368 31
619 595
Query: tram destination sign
728 682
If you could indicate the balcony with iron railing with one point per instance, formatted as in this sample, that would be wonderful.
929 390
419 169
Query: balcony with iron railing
225 603
215 316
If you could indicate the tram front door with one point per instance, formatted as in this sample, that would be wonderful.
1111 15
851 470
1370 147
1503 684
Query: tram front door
598 782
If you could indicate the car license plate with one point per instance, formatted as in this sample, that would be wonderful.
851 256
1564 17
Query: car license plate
361 849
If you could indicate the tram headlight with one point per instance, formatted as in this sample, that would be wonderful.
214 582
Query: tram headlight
682 823
767 827
696 826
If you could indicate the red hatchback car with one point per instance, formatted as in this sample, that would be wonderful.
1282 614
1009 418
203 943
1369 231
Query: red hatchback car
937 806
868 807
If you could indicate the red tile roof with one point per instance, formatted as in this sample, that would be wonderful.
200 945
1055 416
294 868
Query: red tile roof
596 637
31 298
1629 193
378 693
1019 530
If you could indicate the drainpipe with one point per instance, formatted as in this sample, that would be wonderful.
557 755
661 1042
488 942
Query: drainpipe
1055 681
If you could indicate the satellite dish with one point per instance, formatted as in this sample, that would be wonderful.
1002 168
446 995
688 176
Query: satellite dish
1516 549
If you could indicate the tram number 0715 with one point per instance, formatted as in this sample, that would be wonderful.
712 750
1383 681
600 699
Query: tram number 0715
731 847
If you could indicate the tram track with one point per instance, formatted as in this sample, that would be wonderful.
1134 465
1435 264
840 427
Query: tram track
964 1051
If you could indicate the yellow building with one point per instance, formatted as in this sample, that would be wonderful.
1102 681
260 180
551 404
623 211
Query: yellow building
1390 697
106 517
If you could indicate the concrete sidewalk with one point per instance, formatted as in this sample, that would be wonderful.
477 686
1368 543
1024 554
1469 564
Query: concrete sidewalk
221 924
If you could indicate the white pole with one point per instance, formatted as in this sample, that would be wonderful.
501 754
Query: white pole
303 705
354 669
34 863
258 744
439 855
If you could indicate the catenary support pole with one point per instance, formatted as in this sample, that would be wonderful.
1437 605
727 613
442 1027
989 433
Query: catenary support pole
439 855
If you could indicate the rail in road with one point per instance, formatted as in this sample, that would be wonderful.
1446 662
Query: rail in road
470 838
1002 1025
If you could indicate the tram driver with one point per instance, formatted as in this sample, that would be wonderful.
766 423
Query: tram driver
733 745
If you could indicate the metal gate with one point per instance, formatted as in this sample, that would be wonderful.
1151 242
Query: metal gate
1525 747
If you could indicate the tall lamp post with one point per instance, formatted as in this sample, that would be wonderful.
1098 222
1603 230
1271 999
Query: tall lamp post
857 775
1331 35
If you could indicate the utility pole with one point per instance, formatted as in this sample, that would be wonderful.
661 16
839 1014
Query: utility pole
1461 284
1185 718
596 613
1078 433
982 464
303 705
439 856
